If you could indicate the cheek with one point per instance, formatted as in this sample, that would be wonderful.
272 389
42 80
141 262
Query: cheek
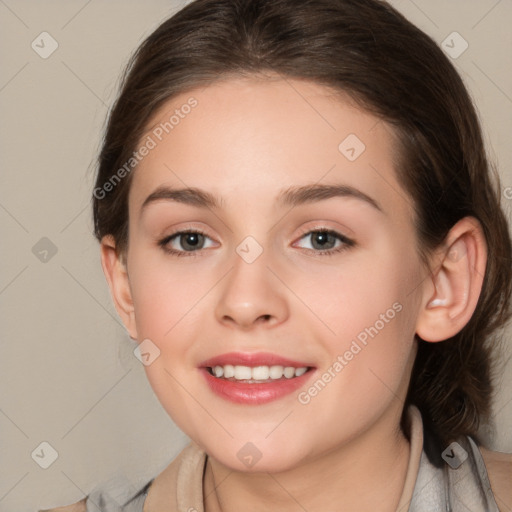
368 315
171 302
360 294
164 293
168 308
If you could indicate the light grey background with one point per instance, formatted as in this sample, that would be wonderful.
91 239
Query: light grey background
68 375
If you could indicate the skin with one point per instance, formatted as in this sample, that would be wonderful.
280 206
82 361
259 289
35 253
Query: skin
245 142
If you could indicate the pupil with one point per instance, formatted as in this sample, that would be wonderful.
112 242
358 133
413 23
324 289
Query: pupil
323 240
191 241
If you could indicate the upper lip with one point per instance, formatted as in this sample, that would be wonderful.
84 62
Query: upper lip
252 359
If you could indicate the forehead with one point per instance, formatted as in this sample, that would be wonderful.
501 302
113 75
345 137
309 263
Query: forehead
247 139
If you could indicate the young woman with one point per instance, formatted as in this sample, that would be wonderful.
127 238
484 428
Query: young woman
299 225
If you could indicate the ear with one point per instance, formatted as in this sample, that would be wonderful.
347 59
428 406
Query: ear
452 290
114 268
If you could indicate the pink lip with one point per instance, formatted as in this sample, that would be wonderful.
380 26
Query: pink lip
253 394
251 359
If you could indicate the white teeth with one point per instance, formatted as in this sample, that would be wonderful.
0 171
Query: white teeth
229 371
257 373
300 371
276 372
289 372
243 373
260 373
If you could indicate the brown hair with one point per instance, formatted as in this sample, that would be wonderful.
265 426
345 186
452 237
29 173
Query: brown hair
367 50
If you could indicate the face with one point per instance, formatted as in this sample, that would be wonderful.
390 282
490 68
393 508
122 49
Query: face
272 261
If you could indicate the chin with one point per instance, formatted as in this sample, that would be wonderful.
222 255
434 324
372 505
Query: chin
257 457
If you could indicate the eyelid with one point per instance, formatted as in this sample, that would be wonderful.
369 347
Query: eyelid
323 227
328 225
185 227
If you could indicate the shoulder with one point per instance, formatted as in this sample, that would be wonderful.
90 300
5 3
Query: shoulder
499 469
79 506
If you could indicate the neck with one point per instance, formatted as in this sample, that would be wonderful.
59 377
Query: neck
365 474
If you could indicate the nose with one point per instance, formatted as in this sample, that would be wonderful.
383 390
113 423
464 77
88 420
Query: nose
251 296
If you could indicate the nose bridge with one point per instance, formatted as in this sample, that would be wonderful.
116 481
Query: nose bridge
251 294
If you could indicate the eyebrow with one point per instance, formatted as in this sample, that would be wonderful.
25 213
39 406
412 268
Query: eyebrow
293 196
190 195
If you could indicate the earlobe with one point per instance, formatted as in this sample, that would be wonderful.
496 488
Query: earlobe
118 281
452 291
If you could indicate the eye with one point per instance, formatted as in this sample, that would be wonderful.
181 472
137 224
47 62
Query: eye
325 241
184 242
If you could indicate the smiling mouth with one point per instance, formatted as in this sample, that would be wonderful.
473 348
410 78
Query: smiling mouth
256 374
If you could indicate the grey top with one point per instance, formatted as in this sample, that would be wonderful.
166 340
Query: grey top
457 481
453 480
117 495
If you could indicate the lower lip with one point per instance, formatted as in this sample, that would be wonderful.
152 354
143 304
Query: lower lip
254 394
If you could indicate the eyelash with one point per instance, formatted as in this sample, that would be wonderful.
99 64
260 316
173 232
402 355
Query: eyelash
346 242
163 243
